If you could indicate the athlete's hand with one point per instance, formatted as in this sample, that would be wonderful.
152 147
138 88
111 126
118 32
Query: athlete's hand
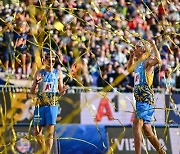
38 78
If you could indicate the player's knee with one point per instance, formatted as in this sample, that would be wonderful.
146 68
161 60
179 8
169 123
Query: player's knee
136 122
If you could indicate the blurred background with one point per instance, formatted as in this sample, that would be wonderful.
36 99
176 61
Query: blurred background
92 40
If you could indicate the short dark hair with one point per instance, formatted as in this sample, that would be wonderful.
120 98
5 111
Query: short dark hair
50 55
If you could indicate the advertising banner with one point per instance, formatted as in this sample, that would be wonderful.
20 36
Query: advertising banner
20 140
5 104
70 108
175 140
23 144
173 104
123 142
115 109
15 140
5 101
81 139
21 107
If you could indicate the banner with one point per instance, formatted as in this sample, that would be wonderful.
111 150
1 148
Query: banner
115 109
21 107
20 141
5 101
22 144
70 108
15 140
81 139
175 140
173 114
123 142
4 105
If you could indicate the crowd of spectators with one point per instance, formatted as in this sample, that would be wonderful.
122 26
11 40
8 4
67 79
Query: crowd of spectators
91 38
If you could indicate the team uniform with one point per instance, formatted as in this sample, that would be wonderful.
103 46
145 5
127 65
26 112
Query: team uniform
46 109
143 93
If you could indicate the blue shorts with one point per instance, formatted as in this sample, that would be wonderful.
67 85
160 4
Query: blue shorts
45 115
144 111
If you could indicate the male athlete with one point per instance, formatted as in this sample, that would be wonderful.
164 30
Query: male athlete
144 94
50 83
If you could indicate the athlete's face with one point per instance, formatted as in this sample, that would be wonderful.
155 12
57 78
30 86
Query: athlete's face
139 50
50 61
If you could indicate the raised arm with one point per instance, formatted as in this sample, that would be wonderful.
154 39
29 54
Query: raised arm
156 58
131 59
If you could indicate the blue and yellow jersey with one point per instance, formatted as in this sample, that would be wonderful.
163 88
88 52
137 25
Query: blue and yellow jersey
142 84
48 87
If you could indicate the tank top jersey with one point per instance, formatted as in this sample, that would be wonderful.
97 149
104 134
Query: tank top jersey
142 84
48 87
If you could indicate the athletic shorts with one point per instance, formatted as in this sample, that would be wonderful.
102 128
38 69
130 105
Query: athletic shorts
8 53
45 115
144 111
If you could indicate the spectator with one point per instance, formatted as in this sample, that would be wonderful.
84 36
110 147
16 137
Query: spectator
156 79
31 49
86 78
168 82
102 79
129 82
7 50
21 51
178 79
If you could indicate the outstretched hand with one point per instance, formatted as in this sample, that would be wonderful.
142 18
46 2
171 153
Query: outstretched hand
38 78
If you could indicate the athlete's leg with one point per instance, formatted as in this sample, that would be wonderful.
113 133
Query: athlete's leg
39 122
137 132
51 116
152 138
39 136
49 138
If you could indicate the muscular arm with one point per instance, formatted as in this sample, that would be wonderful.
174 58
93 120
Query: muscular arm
60 81
34 85
156 59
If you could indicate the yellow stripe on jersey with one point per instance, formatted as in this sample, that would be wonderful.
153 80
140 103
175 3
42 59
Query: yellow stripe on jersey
149 78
